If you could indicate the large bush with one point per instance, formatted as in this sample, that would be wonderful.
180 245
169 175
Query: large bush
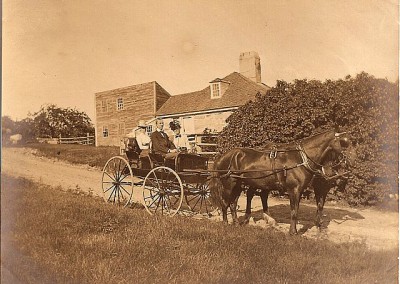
364 106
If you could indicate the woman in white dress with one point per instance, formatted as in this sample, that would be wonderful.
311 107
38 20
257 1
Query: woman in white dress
142 139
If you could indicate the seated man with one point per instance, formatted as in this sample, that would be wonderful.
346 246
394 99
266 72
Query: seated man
161 143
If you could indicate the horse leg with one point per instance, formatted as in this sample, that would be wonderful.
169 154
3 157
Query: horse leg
294 195
236 194
321 189
233 207
224 210
249 197
266 215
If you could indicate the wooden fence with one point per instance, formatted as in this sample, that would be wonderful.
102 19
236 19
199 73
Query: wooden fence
204 148
85 140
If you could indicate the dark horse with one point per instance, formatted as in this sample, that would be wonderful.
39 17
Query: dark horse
289 168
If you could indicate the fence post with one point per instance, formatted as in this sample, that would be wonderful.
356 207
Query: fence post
59 139
87 138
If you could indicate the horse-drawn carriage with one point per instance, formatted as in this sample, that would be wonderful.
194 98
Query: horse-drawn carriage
168 185
167 182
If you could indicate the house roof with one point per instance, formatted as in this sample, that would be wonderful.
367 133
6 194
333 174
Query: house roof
240 90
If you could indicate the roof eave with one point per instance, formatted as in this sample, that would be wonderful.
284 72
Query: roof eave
197 112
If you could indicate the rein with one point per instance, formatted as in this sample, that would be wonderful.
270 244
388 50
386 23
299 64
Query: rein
239 174
321 172
272 155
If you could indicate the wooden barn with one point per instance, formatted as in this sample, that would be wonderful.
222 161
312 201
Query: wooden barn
118 111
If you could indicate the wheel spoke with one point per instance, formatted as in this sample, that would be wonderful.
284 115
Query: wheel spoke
119 169
113 178
109 188
153 199
151 181
123 188
158 203
197 202
112 193
122 177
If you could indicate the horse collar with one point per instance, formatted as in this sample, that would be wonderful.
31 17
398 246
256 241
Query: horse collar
306 162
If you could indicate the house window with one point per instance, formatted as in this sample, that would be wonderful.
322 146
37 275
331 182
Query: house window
149 129
121 128
105 131
104 106
120 104
215 90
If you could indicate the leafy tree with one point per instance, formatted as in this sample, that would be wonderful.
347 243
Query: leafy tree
7 123
52 121
26 128
49 121
364 106
7 128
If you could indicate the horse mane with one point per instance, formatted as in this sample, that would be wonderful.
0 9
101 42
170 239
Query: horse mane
317 134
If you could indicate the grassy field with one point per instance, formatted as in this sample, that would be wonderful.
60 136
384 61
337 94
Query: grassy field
52 236
76 154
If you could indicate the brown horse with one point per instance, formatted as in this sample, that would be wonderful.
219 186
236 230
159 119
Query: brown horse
289 168
321 185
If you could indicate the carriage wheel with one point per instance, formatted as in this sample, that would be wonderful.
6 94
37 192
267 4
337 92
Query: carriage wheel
162 191
198 199
117 181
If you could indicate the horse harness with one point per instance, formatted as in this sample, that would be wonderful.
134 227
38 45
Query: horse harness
273 154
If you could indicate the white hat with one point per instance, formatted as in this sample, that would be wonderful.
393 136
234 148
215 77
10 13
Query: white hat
142 124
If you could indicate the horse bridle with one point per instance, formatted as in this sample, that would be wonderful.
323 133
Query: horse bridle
321 171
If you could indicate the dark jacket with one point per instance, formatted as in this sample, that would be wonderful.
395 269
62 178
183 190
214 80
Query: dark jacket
160 143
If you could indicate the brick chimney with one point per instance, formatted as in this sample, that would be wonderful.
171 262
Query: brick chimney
249 65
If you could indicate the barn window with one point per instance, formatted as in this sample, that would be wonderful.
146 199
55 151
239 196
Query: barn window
215 90
120 104
104 106
121 128
105 131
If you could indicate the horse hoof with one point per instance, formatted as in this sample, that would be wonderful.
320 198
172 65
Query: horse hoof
269 220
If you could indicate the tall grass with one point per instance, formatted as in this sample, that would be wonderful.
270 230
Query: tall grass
71 238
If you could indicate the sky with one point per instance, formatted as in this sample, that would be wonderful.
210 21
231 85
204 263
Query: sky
64 51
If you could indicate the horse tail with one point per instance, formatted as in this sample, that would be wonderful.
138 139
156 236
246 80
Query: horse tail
216 189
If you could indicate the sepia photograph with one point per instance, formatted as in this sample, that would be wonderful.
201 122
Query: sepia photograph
212 141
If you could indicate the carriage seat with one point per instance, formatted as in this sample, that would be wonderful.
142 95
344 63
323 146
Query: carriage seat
133 152
156 159
160 160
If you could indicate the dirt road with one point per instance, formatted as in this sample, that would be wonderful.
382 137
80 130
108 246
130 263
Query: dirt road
377 229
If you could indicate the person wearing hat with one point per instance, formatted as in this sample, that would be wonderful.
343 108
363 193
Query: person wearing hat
181 141
142 138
